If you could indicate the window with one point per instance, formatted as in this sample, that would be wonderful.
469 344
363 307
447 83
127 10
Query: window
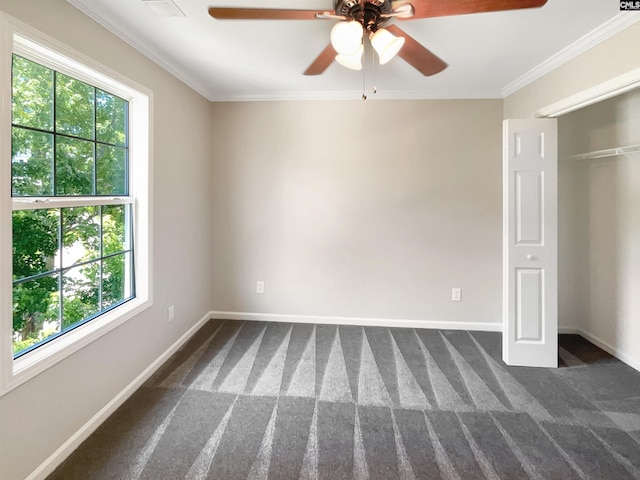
76 237
73 262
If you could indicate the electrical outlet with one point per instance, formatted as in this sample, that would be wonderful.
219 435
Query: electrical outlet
259 286
170 312
456 294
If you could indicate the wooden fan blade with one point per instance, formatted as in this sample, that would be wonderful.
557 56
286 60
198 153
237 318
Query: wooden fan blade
322 61
230 13
443 8
416 55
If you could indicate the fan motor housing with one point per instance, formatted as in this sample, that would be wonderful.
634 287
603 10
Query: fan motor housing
367 12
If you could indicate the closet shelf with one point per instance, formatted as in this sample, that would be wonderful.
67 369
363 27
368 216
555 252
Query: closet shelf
609 152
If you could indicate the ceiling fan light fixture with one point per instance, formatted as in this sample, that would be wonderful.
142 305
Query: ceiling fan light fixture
354 61
386 44
346 37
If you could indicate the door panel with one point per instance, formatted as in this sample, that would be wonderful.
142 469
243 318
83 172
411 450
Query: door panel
530 304
529 215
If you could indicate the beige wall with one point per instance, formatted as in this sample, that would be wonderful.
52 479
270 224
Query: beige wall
601 234
37 417
573 235
615 56
369 209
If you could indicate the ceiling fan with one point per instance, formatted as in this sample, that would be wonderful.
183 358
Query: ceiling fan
360 18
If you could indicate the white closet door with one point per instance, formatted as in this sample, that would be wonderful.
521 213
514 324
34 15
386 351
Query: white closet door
530 284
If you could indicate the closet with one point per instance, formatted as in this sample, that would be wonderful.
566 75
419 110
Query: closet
599 225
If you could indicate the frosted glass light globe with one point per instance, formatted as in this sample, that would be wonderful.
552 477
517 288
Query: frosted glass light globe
354 62
346 37
386 44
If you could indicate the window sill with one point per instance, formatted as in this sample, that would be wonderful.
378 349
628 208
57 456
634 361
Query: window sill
44 357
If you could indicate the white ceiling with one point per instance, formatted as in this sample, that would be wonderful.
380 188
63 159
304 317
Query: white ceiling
489 54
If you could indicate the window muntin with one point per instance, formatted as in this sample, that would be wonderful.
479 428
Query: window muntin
73 262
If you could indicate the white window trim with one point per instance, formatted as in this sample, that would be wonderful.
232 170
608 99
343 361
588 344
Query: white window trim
17 37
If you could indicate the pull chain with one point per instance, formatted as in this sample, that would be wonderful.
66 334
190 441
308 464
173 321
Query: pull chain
373 69
364 69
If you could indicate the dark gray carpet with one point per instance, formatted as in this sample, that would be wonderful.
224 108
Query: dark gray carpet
250 400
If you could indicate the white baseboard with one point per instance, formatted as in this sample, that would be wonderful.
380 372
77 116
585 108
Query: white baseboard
57 457
571 330
359 321
616 352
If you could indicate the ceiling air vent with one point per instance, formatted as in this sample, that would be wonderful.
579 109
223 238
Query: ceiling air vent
164 8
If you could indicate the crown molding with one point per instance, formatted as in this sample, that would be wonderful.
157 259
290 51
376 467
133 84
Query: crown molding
357 95
149 53
588 41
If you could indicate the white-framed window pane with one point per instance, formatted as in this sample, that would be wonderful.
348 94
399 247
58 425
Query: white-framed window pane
74 167
35 312
111 119
32 99
80 293
114 232
36 242
75 107
80 235
31 162
116 279
111 170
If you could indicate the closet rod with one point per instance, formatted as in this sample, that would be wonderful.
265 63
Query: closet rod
609 152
